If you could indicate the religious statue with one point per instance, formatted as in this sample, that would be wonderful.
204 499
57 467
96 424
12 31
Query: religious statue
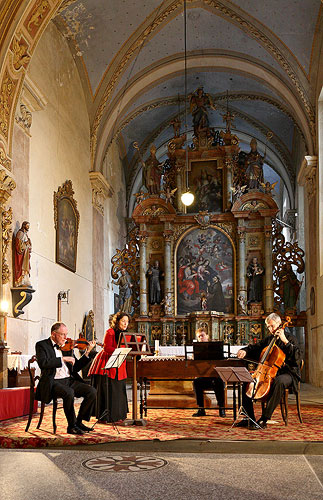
22 257
253 163
176 126
169 194
289 288
154 274
199 100
255 273
125 291
242 305
152 172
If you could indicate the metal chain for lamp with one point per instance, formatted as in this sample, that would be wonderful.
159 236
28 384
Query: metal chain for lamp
187 197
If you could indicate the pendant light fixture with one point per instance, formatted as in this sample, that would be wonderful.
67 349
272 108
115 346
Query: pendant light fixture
187 197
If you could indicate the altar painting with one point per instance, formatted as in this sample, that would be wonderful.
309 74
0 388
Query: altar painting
205 272
205 181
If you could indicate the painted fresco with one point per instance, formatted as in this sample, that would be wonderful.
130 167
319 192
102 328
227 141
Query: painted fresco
205 274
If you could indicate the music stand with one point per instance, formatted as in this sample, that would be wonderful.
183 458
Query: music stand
234 375
139 347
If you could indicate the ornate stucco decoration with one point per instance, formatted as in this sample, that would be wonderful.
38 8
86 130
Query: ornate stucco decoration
4 160
6 237
307 176
101 190
24 119
7 185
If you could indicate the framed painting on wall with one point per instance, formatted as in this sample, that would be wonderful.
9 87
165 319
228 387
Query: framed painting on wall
67 220
205 272
205 181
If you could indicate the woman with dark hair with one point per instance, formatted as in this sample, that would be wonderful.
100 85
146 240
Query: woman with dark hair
111 401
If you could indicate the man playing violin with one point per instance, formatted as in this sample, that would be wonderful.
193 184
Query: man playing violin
287 376
60 379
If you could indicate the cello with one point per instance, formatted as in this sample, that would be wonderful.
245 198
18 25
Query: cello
271 359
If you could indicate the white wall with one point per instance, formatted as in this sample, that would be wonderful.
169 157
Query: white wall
59 150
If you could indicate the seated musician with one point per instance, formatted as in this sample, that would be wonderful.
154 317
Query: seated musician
200 384
287 376
59 378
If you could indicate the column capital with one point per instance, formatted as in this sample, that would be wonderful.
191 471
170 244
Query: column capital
307 175
101 190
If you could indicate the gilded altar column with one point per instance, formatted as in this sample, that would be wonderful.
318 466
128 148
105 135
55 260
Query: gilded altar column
169 299
242 291
269 291
143 281
228 163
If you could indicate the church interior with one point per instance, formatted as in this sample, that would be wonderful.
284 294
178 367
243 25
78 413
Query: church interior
162 158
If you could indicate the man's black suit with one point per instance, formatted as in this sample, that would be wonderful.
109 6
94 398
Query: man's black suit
49 387
287 376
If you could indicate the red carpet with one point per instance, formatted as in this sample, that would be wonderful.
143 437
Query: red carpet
163 425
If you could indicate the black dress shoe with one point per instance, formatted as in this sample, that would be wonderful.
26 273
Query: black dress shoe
242 423
221 412
262 423
200 413
75 430
83 427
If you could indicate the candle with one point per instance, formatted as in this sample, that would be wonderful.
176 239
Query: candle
156 346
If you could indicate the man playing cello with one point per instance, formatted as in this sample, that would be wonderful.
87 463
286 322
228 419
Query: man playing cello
288 374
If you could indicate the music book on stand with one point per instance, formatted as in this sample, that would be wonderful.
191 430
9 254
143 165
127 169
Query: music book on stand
117 357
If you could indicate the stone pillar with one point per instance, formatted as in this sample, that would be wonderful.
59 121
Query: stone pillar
101 190
269 290
242 288
143 281
169 298
7 185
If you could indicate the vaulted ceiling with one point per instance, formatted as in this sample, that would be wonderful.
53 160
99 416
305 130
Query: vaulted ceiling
262 55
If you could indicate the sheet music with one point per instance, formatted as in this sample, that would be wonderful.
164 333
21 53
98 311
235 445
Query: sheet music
117 357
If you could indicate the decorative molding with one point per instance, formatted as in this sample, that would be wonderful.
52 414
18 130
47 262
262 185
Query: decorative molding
7 185
307 175
24 119
101 190
6 237
7 92
32 96
4 160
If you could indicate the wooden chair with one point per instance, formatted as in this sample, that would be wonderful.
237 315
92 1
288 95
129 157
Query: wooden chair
284 400
33 381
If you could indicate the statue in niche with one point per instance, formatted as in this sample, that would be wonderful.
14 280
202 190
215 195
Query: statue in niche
154 274
289 288
254 166
152 172
125 292
199 101
22 250
255 274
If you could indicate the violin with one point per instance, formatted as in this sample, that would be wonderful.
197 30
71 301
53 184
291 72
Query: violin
81 343
271 359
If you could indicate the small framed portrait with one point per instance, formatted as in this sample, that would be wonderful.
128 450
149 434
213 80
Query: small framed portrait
66 224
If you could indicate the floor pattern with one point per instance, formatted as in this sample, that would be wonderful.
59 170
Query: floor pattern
163 425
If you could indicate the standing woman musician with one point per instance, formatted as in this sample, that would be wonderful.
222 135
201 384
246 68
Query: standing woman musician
111 383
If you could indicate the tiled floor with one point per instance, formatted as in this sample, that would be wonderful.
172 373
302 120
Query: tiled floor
38 475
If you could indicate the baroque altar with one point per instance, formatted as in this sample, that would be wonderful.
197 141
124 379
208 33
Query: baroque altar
210 264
